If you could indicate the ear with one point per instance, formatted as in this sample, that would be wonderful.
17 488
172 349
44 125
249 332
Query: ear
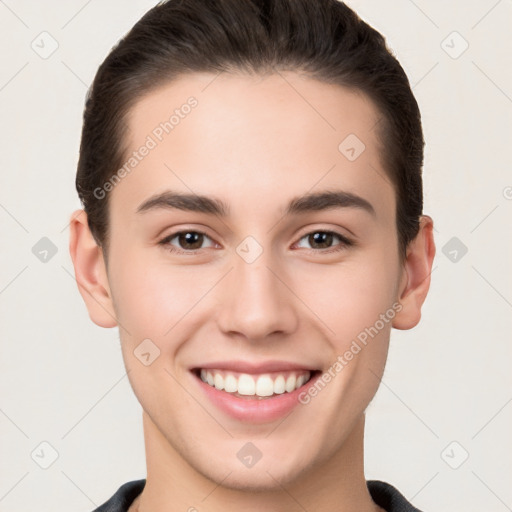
90 271
415 280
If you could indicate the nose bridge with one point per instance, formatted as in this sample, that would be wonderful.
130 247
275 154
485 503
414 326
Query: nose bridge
258 303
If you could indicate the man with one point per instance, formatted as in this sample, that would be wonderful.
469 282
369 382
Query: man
251 179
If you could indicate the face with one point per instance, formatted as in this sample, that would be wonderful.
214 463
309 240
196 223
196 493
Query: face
248 277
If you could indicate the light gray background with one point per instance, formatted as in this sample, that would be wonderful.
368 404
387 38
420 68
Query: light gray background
62 379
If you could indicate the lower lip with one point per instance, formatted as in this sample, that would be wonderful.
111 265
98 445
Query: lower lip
252 410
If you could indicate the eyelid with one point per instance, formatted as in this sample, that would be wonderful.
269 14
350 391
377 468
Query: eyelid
167 238
345 241
337 230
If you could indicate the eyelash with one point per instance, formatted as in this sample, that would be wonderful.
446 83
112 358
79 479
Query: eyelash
345 242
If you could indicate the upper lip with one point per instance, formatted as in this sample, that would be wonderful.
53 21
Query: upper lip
253 367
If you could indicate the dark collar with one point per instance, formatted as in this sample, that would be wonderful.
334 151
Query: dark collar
382 493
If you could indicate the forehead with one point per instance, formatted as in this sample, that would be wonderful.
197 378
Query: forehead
239 135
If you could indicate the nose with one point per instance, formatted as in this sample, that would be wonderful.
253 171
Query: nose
259 301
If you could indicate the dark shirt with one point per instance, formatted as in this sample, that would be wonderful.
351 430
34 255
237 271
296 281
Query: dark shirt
382 493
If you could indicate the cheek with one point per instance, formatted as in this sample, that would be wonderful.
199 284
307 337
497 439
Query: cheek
350 296
157 299
153 298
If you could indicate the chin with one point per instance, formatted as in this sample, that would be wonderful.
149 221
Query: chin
262 477
253 480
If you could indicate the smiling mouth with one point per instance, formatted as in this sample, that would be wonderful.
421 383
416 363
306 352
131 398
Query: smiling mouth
255 386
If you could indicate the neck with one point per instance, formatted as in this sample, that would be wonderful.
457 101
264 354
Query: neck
172 484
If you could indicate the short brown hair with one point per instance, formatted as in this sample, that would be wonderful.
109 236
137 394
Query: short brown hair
322 39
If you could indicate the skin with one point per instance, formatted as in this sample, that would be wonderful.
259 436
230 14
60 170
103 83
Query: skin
254 143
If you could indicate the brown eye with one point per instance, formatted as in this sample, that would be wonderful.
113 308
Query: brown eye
188 241
321 240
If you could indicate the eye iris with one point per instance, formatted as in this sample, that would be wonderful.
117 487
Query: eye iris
191 238
321 237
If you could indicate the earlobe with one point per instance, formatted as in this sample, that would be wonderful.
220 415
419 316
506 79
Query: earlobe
90 271
415 280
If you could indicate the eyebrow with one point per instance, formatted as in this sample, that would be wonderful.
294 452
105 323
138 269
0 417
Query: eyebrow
317 201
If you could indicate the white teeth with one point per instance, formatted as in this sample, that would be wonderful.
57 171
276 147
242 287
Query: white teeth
218 381
262 385
246 385
279 385
230 384
290 383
